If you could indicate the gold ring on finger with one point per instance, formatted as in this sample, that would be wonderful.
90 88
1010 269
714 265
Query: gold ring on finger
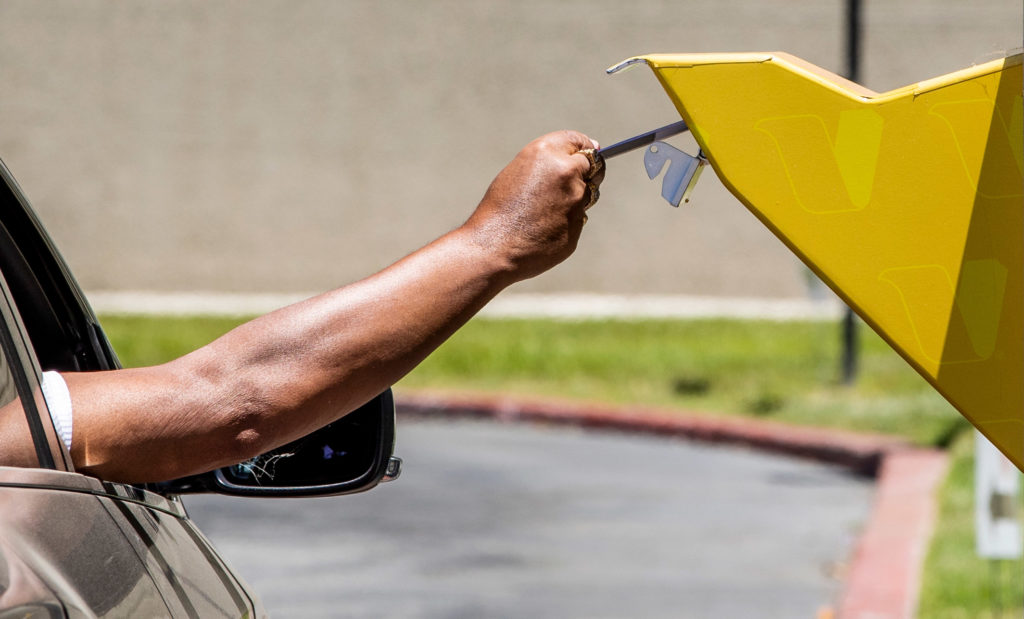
595 193
596 162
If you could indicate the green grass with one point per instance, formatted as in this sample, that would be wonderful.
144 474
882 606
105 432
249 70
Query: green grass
148 340
782 371
957 583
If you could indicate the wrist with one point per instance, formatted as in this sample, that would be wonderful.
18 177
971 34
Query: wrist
485 251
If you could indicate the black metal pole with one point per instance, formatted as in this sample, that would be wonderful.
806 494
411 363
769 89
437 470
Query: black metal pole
848 362
853 31
849 358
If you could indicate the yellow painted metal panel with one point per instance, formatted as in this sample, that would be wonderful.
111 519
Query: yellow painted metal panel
909 204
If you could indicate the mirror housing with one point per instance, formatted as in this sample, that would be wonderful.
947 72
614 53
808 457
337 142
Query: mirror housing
352 454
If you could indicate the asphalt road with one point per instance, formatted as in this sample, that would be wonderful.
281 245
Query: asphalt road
495 520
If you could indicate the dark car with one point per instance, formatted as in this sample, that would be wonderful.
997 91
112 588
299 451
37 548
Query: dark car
76 546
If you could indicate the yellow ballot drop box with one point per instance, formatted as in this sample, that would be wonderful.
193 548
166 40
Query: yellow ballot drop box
908 203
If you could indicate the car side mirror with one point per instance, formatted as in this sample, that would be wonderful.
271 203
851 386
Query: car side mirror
352 454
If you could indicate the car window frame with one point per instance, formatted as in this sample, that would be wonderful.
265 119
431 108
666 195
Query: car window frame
51 453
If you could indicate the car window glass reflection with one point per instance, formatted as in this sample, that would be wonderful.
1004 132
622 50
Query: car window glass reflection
16 446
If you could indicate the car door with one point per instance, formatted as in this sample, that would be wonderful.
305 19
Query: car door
72 545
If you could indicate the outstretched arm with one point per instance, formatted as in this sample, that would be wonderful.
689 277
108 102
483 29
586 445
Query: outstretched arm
285 374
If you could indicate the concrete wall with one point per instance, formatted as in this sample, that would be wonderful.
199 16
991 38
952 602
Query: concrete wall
289 146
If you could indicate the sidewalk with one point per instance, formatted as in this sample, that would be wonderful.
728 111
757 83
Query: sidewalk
567 306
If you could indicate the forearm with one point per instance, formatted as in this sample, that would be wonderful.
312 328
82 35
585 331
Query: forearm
330 354
285 374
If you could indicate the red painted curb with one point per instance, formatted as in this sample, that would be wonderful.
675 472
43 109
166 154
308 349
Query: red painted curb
860 452
884 578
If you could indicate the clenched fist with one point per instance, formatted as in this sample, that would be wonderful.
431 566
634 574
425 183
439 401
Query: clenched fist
533 212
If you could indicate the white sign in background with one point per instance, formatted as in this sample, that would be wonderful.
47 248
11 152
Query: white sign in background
996 489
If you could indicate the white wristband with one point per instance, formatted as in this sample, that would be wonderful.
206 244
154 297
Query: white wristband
58 400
